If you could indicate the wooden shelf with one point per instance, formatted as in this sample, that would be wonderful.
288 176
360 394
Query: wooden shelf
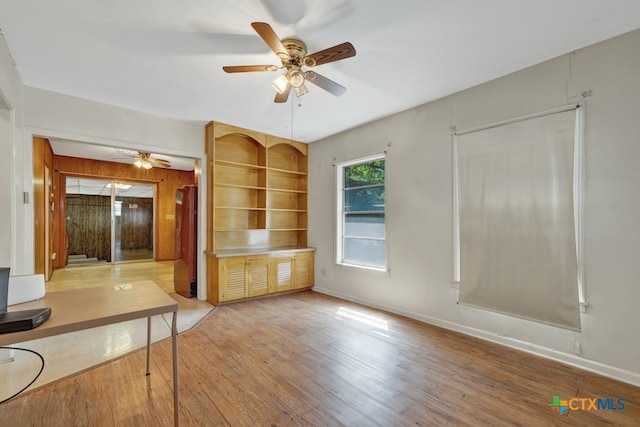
257 200
249 187
279 251
241 208
285 210
233 230
286 171
284 190
240 165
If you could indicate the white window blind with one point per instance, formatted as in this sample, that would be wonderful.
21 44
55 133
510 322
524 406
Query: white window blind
516 229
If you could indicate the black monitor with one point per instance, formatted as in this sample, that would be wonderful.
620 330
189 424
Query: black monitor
17 320
4 288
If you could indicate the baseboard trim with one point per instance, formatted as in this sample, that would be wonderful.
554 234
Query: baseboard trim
538 350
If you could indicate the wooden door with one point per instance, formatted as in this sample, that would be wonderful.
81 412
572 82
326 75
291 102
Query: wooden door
303 270
258 276
232 278
282 278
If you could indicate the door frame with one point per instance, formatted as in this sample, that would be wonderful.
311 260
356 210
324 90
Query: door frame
63 211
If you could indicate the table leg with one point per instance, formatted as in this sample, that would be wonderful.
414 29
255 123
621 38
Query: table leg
148 345
174 340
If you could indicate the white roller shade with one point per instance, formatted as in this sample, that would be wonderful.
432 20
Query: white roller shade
516 219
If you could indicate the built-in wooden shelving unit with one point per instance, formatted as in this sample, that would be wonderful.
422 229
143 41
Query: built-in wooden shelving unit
257 207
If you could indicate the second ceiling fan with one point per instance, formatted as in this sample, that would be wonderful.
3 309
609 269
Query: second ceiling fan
293 55
143 159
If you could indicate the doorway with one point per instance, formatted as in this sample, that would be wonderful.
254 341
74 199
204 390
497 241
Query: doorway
132 222
109 221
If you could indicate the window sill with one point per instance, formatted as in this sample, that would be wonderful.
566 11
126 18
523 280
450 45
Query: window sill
362 267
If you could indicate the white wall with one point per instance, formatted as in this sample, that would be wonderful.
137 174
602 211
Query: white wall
419 168
52 113
12 226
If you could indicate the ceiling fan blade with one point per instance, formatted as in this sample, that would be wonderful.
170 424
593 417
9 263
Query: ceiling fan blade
325 83
282 97
248 68
335 53
160 162
269 36
128 153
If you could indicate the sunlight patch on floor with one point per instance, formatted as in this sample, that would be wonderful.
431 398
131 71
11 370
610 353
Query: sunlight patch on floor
362 317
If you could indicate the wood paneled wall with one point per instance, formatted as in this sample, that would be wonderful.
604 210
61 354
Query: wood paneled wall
166 180
88 226
43 158
136 219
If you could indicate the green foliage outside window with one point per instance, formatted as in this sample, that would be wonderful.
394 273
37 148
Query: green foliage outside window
369 175
364 174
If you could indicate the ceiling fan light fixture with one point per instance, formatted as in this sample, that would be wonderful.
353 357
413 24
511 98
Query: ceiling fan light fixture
143 164
296 77
301 90
280 84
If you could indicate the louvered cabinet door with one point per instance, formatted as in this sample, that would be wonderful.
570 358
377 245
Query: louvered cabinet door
283 268
257 276
233 279
303 273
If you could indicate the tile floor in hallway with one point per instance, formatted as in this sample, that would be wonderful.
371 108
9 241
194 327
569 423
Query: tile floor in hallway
75 352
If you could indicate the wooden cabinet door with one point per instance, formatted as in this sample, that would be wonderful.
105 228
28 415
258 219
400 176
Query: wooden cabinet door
303 273
232 278
283 274
257 276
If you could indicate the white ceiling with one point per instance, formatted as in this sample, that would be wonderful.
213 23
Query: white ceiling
165 57
64 147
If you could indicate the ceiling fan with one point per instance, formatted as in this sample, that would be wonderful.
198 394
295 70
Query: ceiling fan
293 55
144 159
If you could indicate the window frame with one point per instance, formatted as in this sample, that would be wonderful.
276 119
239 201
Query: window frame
341 214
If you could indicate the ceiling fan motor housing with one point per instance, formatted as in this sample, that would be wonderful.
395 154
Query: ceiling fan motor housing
296 49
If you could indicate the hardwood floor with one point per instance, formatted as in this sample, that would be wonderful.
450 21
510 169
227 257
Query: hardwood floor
307 359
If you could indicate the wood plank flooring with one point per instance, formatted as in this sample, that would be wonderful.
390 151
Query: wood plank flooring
307 359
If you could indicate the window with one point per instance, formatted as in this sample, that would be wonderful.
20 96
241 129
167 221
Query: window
361 213
518 217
